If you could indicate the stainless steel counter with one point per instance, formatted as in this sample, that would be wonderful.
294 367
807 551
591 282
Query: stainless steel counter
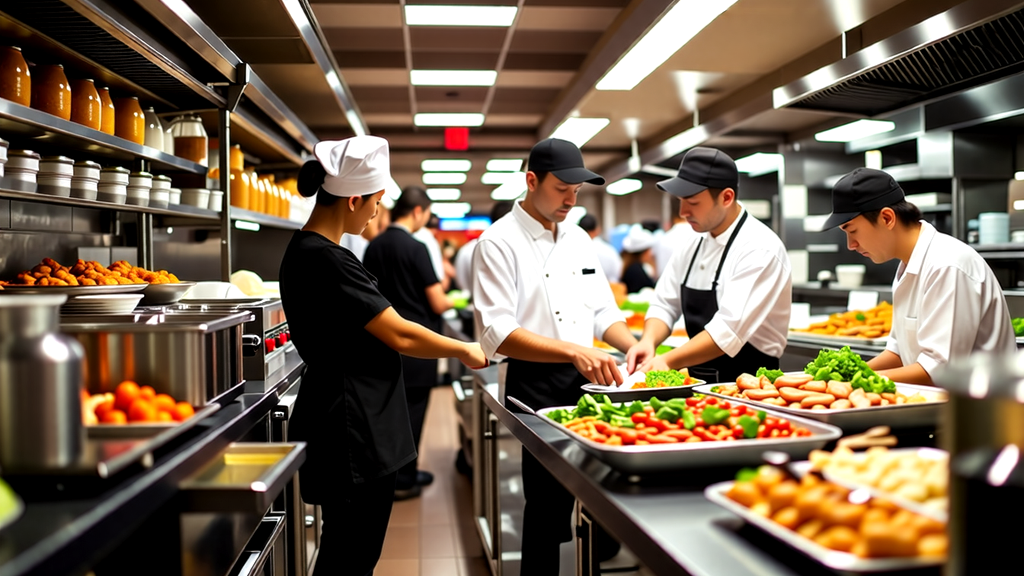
664 519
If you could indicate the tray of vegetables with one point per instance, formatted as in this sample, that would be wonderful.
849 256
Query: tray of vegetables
838 388
678 433
643 386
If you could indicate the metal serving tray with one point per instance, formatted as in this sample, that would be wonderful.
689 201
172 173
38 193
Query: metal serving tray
76 290
843 562
667 457
895 416
246 477
826 340
628 395
159 433
160 294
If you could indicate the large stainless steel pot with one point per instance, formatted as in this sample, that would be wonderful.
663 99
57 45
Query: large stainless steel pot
40 386
193 357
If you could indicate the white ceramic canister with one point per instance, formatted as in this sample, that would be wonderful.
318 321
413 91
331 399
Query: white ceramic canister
216 200
160 194
154 130
114 185
85 182
55 174
198 197
174 196
3 155
139 186
23 165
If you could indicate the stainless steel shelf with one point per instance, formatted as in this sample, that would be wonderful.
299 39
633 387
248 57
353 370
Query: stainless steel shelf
16 190
1000 251
936 208
72 139
263 219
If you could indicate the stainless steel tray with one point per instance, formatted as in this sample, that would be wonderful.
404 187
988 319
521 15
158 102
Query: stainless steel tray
156 431
895 416
667 457
76 290
157 294
826 340
840 561
628 395
246 477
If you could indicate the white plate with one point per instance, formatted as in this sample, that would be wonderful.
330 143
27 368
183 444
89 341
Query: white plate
76 290
102 304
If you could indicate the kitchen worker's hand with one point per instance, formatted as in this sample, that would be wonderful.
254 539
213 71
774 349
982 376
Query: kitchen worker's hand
638 354
655 363
597 366
474 357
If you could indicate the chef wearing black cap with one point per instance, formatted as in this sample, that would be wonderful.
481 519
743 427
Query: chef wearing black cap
947 302
731 283
540 298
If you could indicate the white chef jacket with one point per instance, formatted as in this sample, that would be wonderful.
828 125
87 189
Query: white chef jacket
464 266
611 261
947 304
678 235
425 236
755 290
523 278
355 243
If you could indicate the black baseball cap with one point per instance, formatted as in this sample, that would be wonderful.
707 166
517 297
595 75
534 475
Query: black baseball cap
860 191
702 168
563 159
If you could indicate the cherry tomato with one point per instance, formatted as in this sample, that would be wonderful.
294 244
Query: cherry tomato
737 431
783 424
628 436
700 421
724 404
691 401
711 400
638 417
601 427
737 411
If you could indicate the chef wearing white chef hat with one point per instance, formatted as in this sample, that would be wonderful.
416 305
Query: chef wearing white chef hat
351 410
637 256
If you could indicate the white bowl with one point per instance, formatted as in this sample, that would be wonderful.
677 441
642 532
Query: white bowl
850 275
198 197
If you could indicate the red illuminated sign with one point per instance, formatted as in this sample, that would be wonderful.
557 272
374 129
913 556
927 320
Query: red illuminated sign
456 138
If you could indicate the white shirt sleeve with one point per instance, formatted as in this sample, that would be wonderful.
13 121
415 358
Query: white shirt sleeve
495 297
748 297
464 266
947 324
667 304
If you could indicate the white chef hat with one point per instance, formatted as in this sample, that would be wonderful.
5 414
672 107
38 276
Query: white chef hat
637 240
355 166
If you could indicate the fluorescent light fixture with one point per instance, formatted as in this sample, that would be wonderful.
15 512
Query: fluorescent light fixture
579 131
448 119
576 213
429 15
855 131
1016 175
759 164
873 159
498 178
1018 204
684 21
246 225
443 194
450 209
659 170
624 186
453 77
512 189
509 165
446 165
444 178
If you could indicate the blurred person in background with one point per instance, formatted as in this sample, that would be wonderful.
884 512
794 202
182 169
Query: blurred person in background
406 278
679 234
464 258
637 255
426 235
609 258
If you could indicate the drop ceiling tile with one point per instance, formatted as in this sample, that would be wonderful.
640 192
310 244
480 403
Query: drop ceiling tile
456 106
513 120
455 39
358 15
354 59
270 50
450 94
559 18
365 39
548 41
375 76
533 79
579 3
375 120
383 99
522 100
523 61
454 60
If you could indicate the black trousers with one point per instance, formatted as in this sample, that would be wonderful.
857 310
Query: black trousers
416 397
355 522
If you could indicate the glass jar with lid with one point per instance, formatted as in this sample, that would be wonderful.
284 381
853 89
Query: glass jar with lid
190 140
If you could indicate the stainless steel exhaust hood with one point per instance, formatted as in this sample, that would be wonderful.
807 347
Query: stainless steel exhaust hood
968 45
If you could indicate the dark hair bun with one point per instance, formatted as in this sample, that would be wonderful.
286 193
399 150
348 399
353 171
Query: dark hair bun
311 176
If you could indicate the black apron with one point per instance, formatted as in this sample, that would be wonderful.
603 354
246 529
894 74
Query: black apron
699 307
542 385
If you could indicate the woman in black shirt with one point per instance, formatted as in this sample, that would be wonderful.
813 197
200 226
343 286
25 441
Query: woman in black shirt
351 409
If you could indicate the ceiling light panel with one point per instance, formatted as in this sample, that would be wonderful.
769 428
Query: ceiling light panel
429 15
624 186
448 119
443 194
450 209
498 178
759 164
512 189
453 77
579 131
855 131
504 165
684 21
444 178
446 165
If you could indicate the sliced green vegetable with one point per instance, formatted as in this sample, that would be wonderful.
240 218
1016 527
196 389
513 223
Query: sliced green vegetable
761 415
714 415
636 406
749 425
667 413
746 475
689 420
771 374
655 403
621 421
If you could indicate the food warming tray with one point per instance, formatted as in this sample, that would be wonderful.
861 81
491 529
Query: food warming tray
628 395
158 433
841 561
895 416
667 457
827 340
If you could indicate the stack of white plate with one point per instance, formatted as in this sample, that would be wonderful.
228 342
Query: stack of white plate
101 304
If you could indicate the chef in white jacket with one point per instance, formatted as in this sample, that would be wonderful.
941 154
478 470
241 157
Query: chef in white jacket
947 302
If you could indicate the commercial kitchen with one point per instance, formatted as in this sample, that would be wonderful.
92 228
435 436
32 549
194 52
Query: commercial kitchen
148 372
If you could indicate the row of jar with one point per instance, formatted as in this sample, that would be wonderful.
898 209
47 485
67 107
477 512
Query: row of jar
87 180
